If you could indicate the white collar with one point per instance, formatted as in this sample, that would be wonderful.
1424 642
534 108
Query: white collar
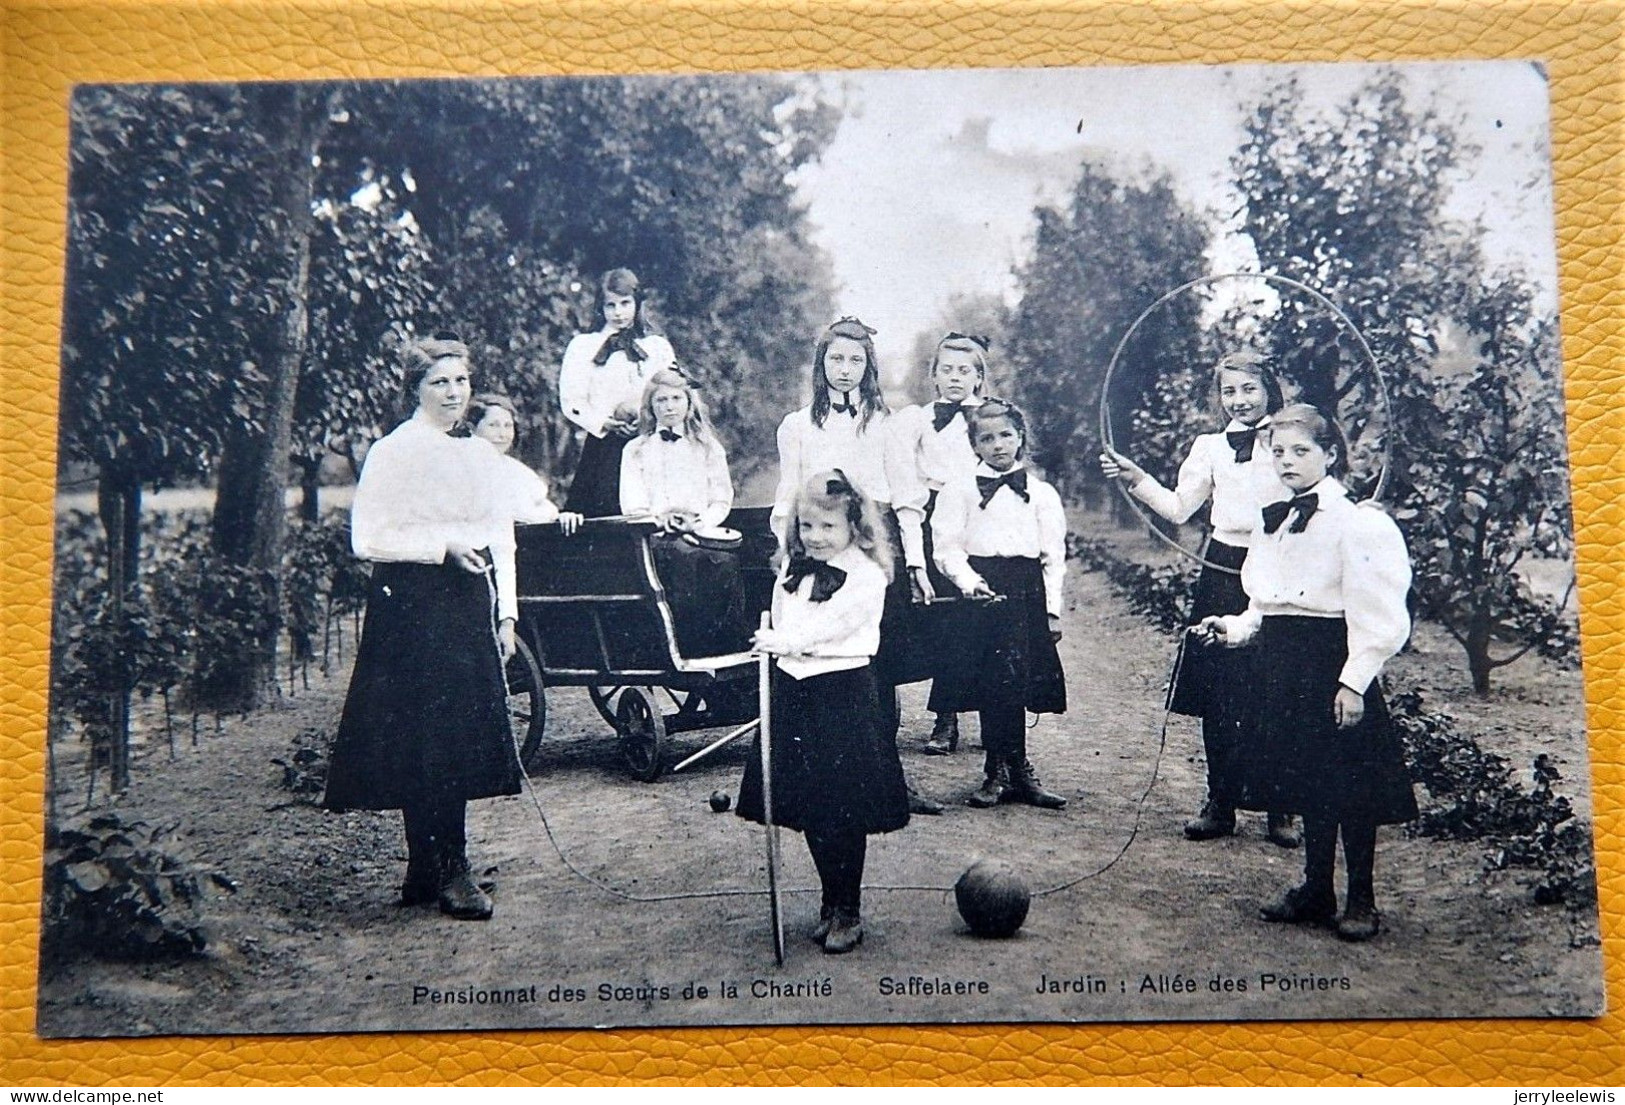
1236 425
984 469
1329 489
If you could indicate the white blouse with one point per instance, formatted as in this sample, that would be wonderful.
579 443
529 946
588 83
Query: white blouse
1210 471
659 475
840 633
589 393
525 491
871 459
1349 562
422 489
933 457
962 528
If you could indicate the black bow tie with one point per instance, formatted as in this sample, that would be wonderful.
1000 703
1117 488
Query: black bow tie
827 578
943 413
1242 442
1302 506
670 435
621 341
848 407
1016 481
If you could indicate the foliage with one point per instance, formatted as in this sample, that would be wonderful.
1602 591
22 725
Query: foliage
1113 250
1161 594
1352 201
112 890
304 772
1477 798
984 315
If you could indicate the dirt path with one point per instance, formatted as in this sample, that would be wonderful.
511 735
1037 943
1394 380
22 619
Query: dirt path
313 941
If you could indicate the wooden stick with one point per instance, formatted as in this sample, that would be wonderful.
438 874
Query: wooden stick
716 744
765 722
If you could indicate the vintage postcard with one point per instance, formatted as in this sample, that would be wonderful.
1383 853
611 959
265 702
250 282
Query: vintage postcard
1107 531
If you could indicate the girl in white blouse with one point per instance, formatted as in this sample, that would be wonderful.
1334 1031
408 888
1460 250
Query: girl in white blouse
936 450
600 384
677 472
1000 535
1326 581
836 775
1228 469
494 418
425 725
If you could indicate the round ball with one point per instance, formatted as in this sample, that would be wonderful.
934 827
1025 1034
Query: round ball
720 801
992 898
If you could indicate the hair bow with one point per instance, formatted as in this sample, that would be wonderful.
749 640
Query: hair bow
854 320
980 339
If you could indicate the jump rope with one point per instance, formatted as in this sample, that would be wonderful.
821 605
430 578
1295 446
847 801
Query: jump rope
740 892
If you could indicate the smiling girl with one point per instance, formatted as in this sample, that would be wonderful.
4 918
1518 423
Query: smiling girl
1229 469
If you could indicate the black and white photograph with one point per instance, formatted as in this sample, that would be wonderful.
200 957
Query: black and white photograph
953 546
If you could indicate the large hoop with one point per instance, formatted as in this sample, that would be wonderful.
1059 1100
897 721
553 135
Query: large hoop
1268 278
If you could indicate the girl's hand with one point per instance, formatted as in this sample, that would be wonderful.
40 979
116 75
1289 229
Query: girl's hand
921 581
980 590
1055 629
621 428
1115 466
768 641
505 643
464 557
1211 631
1348 708
569 522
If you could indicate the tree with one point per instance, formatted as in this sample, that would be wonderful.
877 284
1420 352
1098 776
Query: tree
1351 200
1119 245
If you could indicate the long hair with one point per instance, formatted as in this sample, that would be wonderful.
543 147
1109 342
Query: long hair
990 409
697 423
869 397
833 492
974 344
419 357
1253 365
623 282
1322 429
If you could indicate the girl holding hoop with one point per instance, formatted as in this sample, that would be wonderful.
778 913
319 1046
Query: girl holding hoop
936 449
600 385
1230 469
1327 581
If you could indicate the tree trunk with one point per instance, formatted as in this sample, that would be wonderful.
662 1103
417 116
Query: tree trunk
310 489
118 502
1478 651
250 520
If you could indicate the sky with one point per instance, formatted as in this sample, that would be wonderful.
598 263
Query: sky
929 185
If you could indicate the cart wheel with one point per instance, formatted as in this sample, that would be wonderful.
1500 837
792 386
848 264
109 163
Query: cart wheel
642 730
602 699
527 701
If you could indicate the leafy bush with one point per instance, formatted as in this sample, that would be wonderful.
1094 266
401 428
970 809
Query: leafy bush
1159 593
305 770
1477 798
113 891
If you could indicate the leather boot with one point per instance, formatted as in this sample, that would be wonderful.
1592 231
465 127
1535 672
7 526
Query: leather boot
460 896
826 919
944 739
423 881
1025 788
1214 821
1302 905
845 932
993 789
1360 921
919 803
1282 830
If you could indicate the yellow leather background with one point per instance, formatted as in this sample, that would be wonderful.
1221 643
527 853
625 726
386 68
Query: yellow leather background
49 46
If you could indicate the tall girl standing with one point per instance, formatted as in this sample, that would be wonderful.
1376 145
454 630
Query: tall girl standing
600 385
425 724
835 772
846 427
1326 580
1229 469
936 450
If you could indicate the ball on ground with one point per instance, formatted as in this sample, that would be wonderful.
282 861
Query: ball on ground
720 801
992 898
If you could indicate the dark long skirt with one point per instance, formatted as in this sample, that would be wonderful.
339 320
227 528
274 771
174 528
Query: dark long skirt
425 719
595 489
834 771
707 597
1003 655
1208 676
1303 763
903 657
